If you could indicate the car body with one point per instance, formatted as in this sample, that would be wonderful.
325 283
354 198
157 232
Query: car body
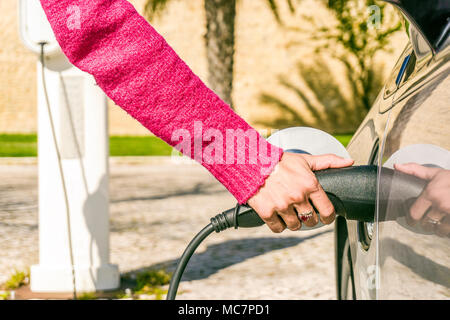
409 122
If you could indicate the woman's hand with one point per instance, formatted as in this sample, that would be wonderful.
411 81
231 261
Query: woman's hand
290 188
432 208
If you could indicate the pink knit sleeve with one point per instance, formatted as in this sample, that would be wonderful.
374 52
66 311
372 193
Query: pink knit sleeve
142 74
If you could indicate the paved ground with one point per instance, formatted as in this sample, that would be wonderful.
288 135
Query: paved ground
155 210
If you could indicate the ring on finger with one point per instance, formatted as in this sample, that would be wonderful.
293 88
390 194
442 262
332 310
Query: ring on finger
433 222
432 218
305 216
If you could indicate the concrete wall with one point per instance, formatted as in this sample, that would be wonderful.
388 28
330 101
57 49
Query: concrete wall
264 50
17 75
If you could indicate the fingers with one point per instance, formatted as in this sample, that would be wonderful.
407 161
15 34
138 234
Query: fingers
419 208
431 208
431 219
323 205
318 196
290 219
274 222
327 161
437 222
443 228
417 170
268 215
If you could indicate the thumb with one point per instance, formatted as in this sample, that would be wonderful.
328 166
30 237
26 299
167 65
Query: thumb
327 161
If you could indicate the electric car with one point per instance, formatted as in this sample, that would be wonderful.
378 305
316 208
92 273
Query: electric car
408 123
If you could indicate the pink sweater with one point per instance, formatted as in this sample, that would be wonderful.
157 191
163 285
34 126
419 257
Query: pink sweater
141 73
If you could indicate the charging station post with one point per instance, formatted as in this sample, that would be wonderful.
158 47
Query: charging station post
72 136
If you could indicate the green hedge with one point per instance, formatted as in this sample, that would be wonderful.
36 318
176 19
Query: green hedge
25 145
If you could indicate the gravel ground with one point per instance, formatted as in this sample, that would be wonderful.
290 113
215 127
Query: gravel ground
156 208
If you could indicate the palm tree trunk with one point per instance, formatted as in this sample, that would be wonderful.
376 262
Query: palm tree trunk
220 19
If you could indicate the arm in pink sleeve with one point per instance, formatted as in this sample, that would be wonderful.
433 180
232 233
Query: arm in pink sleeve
141 73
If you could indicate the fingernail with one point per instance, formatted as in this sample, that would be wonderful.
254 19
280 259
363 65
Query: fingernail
409 220
331 218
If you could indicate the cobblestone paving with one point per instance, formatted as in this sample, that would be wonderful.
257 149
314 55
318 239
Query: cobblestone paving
155 211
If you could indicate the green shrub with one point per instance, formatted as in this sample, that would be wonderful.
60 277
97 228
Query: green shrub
17 279
4 295
152 278
87 296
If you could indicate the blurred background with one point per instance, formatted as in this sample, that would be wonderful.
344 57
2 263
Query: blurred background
278 63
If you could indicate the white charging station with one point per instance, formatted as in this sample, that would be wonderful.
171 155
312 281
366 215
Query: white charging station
78 115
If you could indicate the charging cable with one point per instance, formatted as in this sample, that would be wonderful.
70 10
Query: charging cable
240 215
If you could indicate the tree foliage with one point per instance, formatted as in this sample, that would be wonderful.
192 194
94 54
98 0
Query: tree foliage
219 39
349 39
359 30
155 7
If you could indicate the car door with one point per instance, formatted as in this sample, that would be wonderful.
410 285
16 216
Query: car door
365 150
412 250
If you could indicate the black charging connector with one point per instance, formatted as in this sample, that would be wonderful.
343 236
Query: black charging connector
242 216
